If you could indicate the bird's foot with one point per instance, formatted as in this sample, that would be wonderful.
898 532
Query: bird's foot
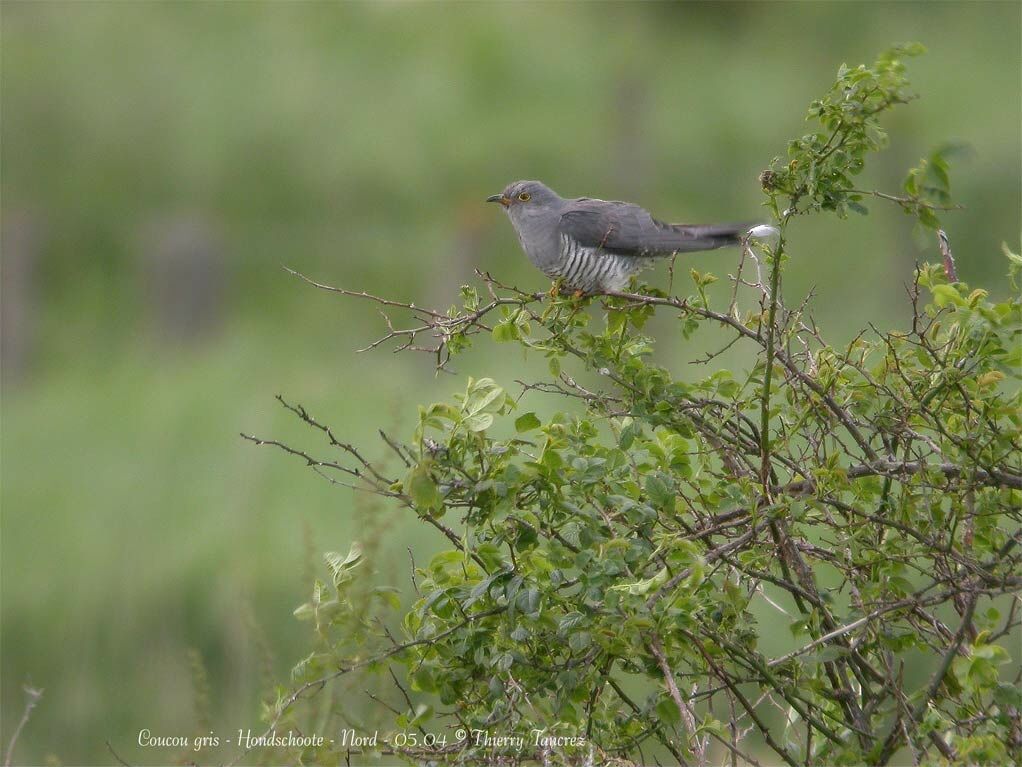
558 289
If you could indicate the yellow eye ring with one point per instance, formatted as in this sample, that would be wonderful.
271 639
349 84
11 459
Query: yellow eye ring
524 196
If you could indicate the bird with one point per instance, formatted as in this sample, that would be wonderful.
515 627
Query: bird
595 246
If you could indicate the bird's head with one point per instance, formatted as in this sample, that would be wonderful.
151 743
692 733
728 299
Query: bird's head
522 198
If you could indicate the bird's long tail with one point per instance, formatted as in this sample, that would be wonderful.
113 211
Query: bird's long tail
693 237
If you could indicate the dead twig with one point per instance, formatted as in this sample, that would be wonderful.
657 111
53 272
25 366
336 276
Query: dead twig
32 697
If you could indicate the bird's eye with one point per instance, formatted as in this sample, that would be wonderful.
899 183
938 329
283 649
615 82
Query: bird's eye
524 196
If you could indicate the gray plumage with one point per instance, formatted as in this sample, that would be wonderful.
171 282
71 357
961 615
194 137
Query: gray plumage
597 245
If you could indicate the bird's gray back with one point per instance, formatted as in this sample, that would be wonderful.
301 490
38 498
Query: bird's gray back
625 229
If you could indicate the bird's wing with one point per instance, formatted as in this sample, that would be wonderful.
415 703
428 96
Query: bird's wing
625 229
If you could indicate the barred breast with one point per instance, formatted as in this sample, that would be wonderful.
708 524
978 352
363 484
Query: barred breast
592 269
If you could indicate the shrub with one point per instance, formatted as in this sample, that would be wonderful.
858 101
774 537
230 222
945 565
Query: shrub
598 600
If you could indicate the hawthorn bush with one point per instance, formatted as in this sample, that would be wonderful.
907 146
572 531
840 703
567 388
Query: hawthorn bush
597 600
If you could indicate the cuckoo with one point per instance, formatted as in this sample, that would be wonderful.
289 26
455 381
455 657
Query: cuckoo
591 245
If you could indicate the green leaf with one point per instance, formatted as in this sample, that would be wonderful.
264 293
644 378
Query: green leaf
483 396
570 621
700 279
520 634
928 218
1006 695
667 711
629 431
527 422
528 602
478 422
340 567
445 558
580 641
946 294
424 680
644 587
660 494
422 489
504 332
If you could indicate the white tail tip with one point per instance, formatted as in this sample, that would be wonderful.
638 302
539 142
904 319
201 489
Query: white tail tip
764 232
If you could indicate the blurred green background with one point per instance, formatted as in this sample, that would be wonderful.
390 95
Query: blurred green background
161 161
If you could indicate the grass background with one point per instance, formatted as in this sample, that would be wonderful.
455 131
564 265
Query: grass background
356 142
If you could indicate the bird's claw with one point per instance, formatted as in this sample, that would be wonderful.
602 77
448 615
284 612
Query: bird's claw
558 288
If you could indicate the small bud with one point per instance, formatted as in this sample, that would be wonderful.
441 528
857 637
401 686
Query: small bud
949 260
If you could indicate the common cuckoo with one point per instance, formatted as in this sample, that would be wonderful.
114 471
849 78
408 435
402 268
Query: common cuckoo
597 245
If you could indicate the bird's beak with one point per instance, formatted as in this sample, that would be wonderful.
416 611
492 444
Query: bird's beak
499 198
